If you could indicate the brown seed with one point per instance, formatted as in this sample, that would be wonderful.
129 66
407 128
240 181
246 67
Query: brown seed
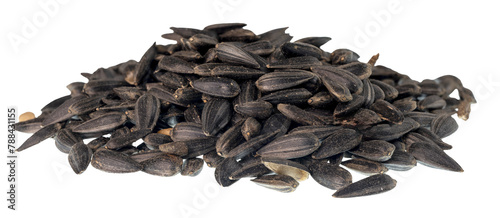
114 162
26 116
376 150
147 111
65 139
79 157
231 54
229 139
288 96
299 115
281 183
444 125
339 141
258 109
290 146
186 131
365 166
389 132
251 128
343 56
127 139
61 113
287 167
106 122
40 135
321 132
400 161
163 165
224 171
192 167
176 65
135 77
212 159
216 114
252 145
329 175
375 184
282 80
217 86
302 62
433 156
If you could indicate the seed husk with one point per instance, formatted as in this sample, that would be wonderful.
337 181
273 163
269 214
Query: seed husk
127 139
282 80
432 155
339 141
288 96
251 128
65 139
330 175
147 111
224 170
212 159
287 167
281 183
444 125
106 122
258 109
365 166
400 161
79 157
163 165
217 86
192 167
375 184
114 162
216 114
290 146
376 150
40 135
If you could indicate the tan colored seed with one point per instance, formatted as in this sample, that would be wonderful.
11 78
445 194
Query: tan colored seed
26 116
167 131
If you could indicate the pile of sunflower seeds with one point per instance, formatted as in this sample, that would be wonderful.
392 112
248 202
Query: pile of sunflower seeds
254 106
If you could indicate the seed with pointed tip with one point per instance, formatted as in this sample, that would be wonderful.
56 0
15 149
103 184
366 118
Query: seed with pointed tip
339 141
229 53
224 171
79 157
375 184
217 86
290 146
287 167
251 128
282 80
365 166
257 109
114 162
444 125
330 175
432 155
40 135
216 114
376 150
400 161
106 122
281 183
192 167
163 165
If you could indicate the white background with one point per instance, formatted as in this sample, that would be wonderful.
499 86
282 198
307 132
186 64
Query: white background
424 39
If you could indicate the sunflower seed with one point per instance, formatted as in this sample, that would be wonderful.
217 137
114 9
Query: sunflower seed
281 183
375 184
330 175
163 165
114 162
